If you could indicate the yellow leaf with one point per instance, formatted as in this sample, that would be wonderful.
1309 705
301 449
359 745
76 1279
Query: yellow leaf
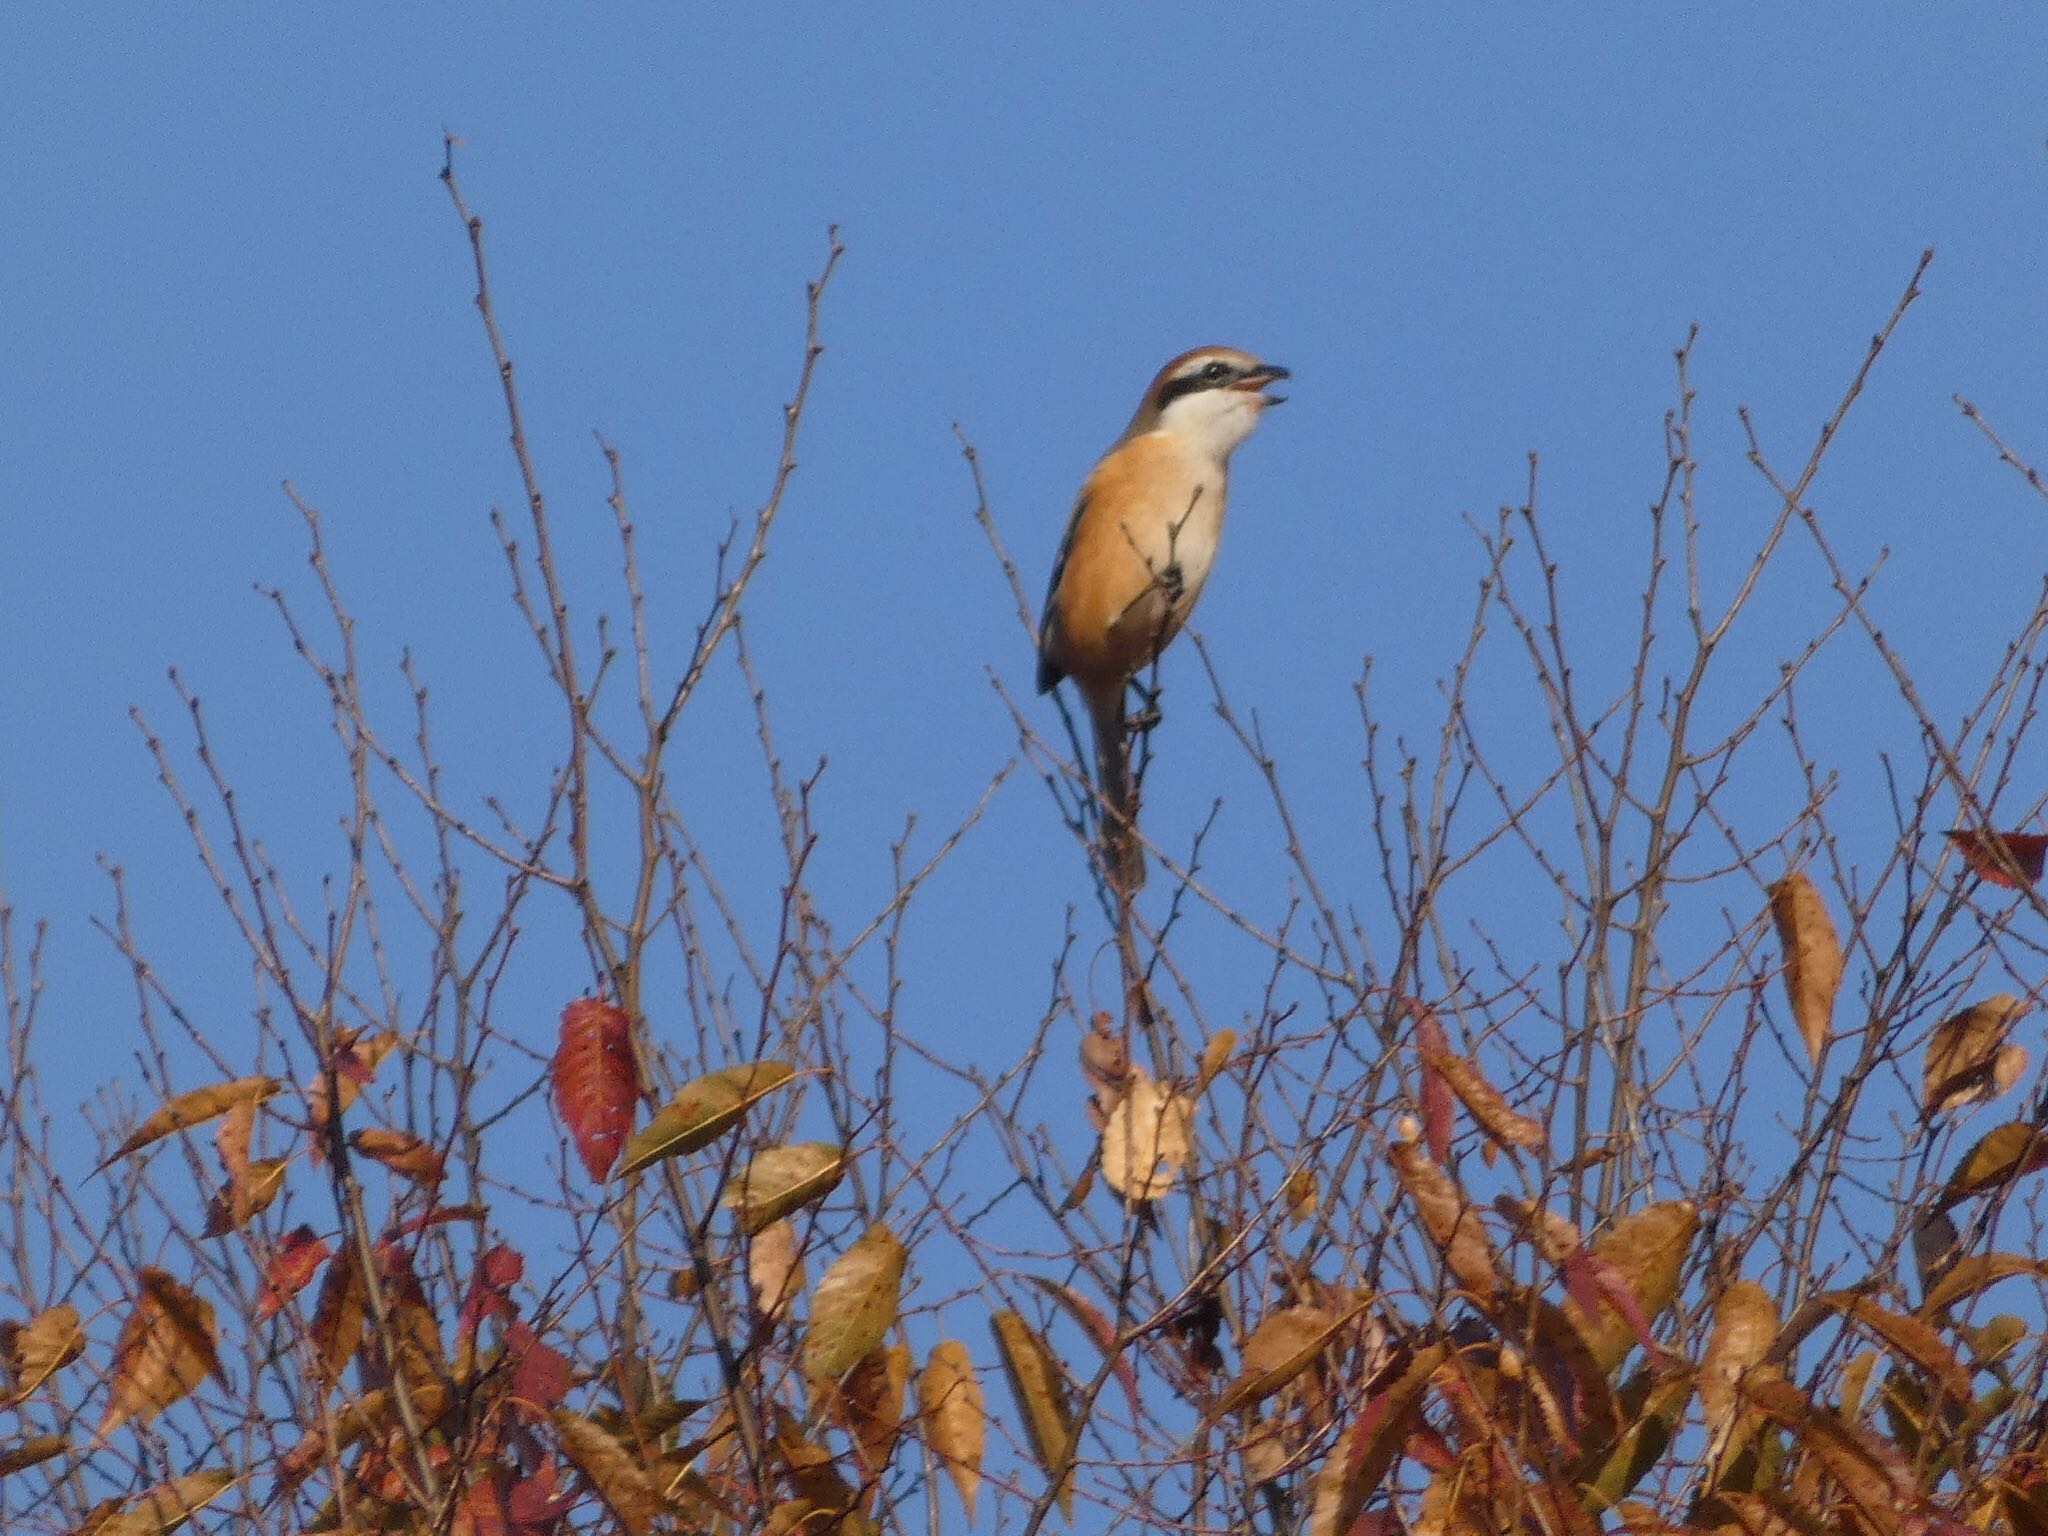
1040 1390
2014 1149
1146 1141
1647 1247
949 1402
169 1505
29 1452
702 1112
853 1306
1215 1057
783 1180
1977 1273
1284 1344
193 1108
1301 1194
1813 959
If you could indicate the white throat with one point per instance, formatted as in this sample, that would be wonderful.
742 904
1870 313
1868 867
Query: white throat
1214 420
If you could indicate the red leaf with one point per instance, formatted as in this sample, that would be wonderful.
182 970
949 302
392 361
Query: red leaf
298 1254
1436 1093
540 1373
1589 1280
496 1273
595 1082
1995 855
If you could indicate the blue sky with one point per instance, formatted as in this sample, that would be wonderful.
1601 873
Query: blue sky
1471 231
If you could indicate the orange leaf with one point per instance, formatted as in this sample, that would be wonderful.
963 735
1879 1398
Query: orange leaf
194 1108
164 1350
1484 1102
354 1060
402 1152
1813 958
250 1194
2010 859
338 1317
291 1267
596 1082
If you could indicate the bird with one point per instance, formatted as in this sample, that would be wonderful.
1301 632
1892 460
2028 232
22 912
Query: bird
1137 551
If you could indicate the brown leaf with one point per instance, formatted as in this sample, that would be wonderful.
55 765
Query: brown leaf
2010 859
298 1254
1745 1324
1813 959
611 1469
1485 1103
36 1350
354 1055
1909 1339
247 1196
1284 1344
165 1349
2009 1152
1040 1390
1365 1451
1300 1193
1451 1223
402 1152
702 1111
949 1404
775 1269
232 1136
783 1180
1556 1237
169 1505
596 1081
1091 1321
1435 1098
1147 1140
193 1108
1967 1057
1872 1473
1976 1273
338 1317
869 1406
1647 1249
36 1449
1105 1067
853 1306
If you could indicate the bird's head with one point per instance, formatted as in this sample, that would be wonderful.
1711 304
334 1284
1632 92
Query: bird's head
1213 395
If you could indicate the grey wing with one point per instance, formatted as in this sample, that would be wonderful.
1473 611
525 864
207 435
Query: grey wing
1049 670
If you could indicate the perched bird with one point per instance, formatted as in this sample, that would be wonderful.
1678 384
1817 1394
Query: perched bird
1137 549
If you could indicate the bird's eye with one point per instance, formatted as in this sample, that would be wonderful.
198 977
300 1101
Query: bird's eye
1216 372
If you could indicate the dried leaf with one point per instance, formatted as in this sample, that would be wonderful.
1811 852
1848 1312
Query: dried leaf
1968 1060
402 1152
1813 959
2010 1152
338 1317
1745 1324
869 1406
1431 1041
298 1254
783 1180
1977 1273
949 1403
2010 859
1556 1237
1485 1103
775 1269
1907 1338
1147 1140
1301 1194
1284 1344
1365 1451
1040 1390
611 1469
248 1196
703 1111
853 1306
1091 1321
1105 1067
37 1349
232 1136
193 1108
1872 1473
596 1081
1451 1223
1215 1057
1647 1248
28 1453
169 1505
354 1056
165 1349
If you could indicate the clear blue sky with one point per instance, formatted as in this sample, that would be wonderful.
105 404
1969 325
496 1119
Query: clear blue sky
1472 232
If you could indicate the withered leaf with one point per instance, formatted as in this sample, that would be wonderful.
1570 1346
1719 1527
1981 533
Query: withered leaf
299 1253
165 1349
35 1350
1281 1347
24 1454
1451 1222
338 1317
1040 1390
1215 1057
702 1111
775 1269
611 1469
195 1107
1745 1324
247 1196
2010 859
949 1403
1968 1059
783 1180
1908 1339
402 1152
853 1306
1485 1103
2009 1152
868 1405
1146 1141
1976 1273
1646 1248
1813 958
170 1504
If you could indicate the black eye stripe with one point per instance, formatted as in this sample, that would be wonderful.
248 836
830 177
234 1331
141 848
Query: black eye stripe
1206 377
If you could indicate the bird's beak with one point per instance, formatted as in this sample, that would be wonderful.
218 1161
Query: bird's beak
1260 377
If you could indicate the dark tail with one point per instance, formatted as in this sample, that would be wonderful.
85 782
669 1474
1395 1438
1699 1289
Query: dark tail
1123 860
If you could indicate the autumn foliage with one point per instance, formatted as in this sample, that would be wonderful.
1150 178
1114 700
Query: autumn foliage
1705 1204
